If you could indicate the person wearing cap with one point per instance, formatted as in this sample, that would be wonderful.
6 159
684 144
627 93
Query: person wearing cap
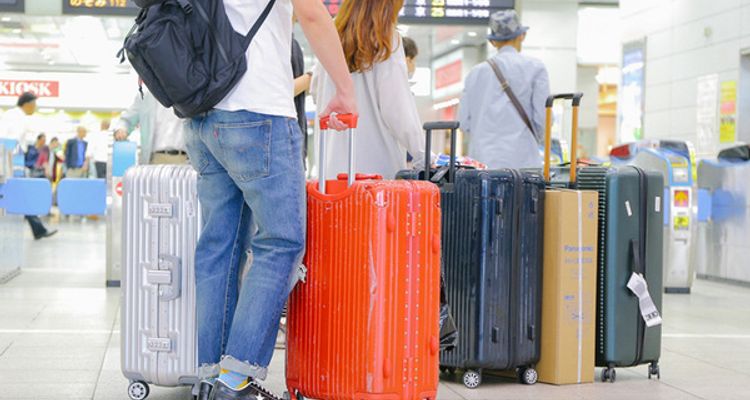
505 122
17 126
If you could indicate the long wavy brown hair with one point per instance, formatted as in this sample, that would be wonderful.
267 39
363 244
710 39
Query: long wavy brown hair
366 30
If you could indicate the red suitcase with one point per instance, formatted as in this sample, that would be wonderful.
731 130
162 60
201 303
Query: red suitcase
365 324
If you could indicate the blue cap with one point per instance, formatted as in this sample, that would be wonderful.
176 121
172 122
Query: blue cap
505 25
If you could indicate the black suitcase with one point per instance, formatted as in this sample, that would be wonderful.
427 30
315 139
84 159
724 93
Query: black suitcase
492 261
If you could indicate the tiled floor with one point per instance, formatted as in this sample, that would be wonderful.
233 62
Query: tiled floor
59 337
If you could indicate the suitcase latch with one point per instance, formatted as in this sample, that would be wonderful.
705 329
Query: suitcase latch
499 206
168 277
159 345
160 210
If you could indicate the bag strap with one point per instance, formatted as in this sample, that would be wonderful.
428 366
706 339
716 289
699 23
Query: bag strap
254 30
512 96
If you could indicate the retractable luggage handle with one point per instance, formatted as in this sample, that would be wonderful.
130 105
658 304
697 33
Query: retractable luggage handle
452 126
576 98
351 121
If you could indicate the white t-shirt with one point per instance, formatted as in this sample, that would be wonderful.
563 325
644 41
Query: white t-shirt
18 126
168 131
268 85
100 142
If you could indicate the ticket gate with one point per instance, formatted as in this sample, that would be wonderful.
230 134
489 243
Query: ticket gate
124 156
679 266
11 226
18 197
723 248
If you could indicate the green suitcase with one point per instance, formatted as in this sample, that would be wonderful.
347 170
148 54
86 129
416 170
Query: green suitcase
631 235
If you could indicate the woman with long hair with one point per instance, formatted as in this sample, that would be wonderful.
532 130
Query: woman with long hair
389 123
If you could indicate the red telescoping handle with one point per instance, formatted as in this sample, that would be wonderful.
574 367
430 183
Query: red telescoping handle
350 120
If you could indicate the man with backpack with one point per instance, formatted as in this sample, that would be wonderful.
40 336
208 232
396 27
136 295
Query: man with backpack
246 148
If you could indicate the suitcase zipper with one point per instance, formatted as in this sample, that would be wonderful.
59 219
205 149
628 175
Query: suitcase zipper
642 229
514 269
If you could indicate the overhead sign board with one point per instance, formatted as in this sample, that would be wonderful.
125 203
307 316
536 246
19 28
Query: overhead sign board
11 5
442 11
42 88
99 7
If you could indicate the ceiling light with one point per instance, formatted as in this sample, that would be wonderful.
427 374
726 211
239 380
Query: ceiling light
6 19
16 30
472 34
455 41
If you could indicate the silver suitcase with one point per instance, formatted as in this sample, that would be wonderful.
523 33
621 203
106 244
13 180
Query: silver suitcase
161 225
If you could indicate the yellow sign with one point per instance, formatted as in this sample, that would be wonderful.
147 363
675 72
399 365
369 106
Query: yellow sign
682 223
728 112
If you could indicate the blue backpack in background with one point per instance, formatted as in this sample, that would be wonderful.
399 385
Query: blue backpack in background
187 53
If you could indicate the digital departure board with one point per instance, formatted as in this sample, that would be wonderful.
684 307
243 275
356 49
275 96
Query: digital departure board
11 6
465 12
99 7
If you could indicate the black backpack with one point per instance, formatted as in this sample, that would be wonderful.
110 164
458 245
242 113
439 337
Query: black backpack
187 53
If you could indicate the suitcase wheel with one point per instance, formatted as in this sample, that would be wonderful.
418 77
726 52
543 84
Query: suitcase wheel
472 379
609 374
138 390
653 370
528 376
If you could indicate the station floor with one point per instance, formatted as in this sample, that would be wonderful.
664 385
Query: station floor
59 337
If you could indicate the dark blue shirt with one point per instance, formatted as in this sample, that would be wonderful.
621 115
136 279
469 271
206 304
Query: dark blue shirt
81 153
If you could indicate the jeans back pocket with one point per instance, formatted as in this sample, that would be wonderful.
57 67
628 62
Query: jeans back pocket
245 148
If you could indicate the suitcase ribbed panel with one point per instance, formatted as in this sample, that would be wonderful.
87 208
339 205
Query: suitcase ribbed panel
595 179
159 343
496 303
365 324
529 272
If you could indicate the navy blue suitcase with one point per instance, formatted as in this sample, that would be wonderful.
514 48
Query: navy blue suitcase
492 261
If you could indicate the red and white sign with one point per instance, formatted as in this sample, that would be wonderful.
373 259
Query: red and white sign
449 74
118 189
15 88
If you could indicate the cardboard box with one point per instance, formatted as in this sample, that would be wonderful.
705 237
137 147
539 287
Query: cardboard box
569 287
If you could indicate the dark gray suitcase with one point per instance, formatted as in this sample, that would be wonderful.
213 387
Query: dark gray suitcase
492 261
630 240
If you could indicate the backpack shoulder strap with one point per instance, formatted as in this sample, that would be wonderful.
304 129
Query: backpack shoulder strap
511 96
263 16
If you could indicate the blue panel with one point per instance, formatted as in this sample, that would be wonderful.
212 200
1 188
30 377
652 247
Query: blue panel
123 157
26 196
705 205
82 196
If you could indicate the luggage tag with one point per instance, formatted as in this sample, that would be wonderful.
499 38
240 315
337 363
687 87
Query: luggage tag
637 284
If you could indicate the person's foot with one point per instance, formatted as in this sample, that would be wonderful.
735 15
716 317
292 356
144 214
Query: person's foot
251 391
46 234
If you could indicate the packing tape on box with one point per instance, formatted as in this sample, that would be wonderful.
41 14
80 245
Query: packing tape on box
580 284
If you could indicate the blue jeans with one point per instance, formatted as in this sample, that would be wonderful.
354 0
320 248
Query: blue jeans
251 186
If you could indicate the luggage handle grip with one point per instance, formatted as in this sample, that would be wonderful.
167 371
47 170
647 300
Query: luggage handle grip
440 125
350 120
575 97
168 277
576 100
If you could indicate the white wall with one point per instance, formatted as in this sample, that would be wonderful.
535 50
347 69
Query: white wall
685 39
552 37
